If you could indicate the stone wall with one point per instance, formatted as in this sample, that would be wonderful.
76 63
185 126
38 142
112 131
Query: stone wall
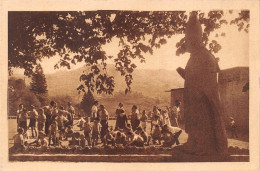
234 101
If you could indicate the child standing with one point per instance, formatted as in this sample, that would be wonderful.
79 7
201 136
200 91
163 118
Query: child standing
61 119
53 133
82 141
233 127
81 122
41 120
33 117
135 118
144 119
19 112
23 121
96 131
68 133
87 131
103 113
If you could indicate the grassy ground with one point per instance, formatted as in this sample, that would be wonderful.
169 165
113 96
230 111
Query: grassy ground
238 151
183 137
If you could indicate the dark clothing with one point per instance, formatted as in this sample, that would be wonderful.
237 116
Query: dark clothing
32 122
135 123
118 112
47 124
23 124
121 122
174 139
87 134
234 131
70 119
104 127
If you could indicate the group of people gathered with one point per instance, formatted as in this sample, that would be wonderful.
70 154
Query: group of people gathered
55 126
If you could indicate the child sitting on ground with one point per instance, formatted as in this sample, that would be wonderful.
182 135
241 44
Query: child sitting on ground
156 134
87 128
108 138
128 128
143 134
75 139
96 131
170 135
19 141
82 141
68 133
135 140
40 141
120 138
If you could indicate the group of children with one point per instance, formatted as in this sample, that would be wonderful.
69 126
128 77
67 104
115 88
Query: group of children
55 127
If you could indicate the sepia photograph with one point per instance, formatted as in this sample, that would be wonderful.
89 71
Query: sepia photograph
129 85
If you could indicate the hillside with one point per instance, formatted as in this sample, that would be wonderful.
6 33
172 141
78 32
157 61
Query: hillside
151 84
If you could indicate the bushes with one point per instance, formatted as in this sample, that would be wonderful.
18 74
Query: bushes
19 93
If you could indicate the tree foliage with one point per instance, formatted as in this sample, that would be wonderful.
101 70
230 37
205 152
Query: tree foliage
80 37
18 93
38 84
87 102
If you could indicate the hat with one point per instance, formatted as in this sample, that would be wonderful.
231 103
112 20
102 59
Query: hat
193 30
69 103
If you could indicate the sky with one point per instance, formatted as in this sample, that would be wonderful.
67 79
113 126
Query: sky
234 52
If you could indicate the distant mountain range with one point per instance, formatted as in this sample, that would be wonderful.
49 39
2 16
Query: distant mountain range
151 83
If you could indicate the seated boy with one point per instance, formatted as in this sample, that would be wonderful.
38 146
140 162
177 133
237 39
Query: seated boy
75 139
109 138
120 138
156 134
40 141
143 134
68 133
170 135
135 140
19 141
82 141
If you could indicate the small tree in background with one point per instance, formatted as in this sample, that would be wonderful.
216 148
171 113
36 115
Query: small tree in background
39 85
87 102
